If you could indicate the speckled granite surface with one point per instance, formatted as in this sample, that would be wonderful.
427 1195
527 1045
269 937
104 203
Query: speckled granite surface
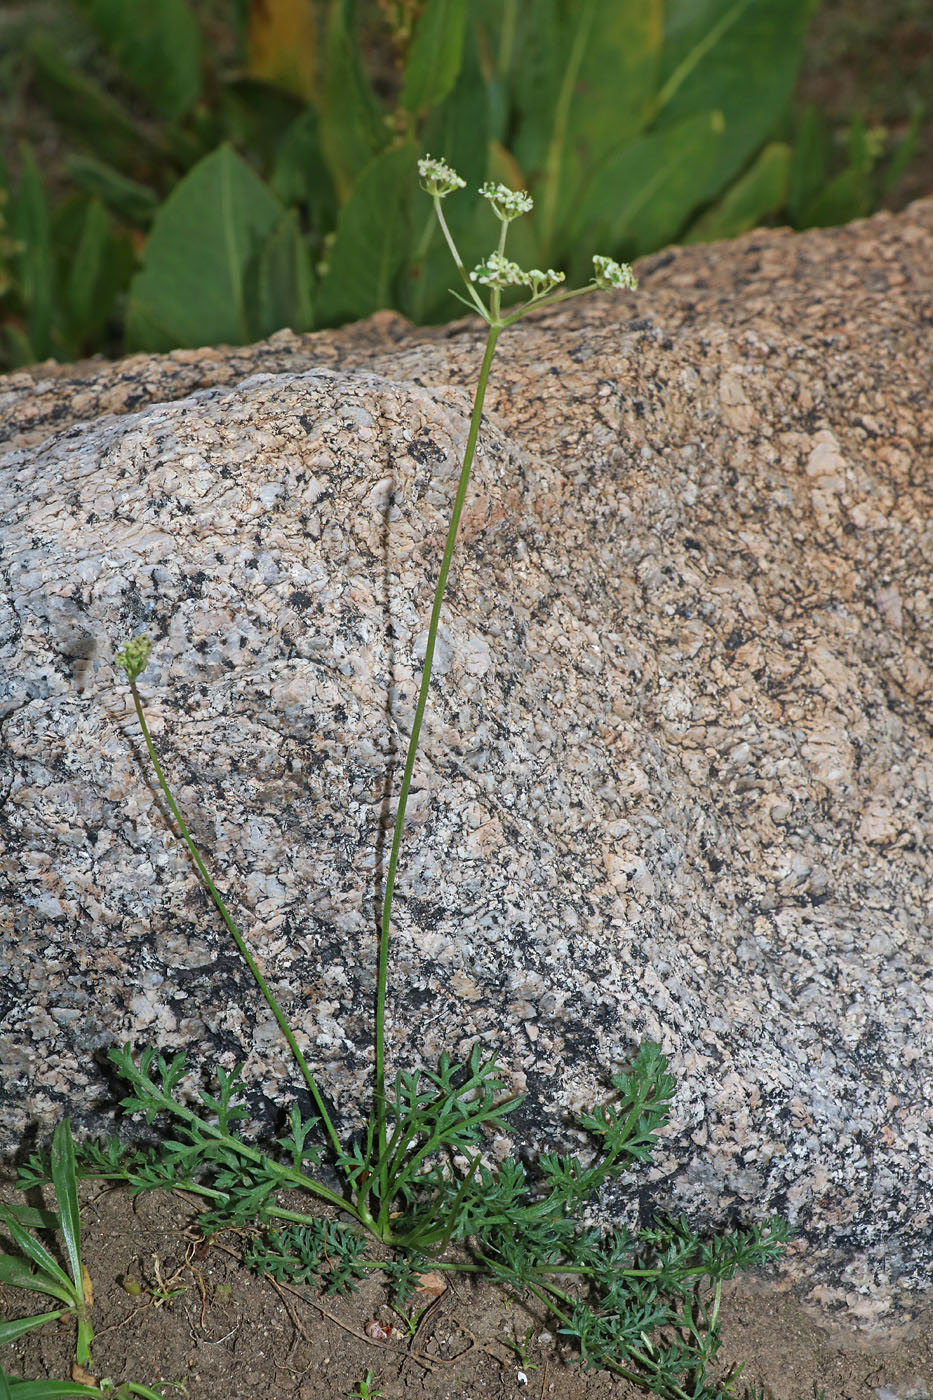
677 778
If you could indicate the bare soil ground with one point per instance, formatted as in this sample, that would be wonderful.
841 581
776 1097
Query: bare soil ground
174 1311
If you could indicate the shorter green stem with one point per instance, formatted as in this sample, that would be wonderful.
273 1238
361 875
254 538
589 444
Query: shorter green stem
211 1193
477 299
235 934
85 1336
549 299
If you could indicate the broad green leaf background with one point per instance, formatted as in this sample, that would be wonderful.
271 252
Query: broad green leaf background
739 56
646 186
762 188
96 120
585 84
158 46
30 225
192 288
353 129
283 280
434 61
371 240
216 198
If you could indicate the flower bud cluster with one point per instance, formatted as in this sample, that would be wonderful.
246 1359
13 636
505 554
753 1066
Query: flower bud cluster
498 271
542 282
437 178
611 275
507 204
135 656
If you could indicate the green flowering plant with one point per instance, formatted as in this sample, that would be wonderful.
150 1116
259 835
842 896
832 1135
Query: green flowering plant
642 1305
438 180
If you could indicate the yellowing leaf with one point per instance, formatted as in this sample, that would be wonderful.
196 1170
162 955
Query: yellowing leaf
281 45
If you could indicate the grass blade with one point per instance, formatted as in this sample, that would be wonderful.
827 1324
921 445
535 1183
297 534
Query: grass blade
9 1331
16 1273
32 1249
53 1390
32 1219
65 1181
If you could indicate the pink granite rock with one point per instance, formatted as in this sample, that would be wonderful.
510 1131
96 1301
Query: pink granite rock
677 775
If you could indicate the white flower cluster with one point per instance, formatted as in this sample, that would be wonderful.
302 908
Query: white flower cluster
542 282
498 271
507 204
612 275
437 178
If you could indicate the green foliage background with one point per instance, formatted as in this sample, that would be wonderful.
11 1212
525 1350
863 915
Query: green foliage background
226 169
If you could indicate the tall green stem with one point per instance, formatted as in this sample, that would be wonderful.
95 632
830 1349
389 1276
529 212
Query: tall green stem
235 934
385 927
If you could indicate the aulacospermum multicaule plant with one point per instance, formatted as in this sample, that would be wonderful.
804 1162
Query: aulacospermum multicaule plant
643 1305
